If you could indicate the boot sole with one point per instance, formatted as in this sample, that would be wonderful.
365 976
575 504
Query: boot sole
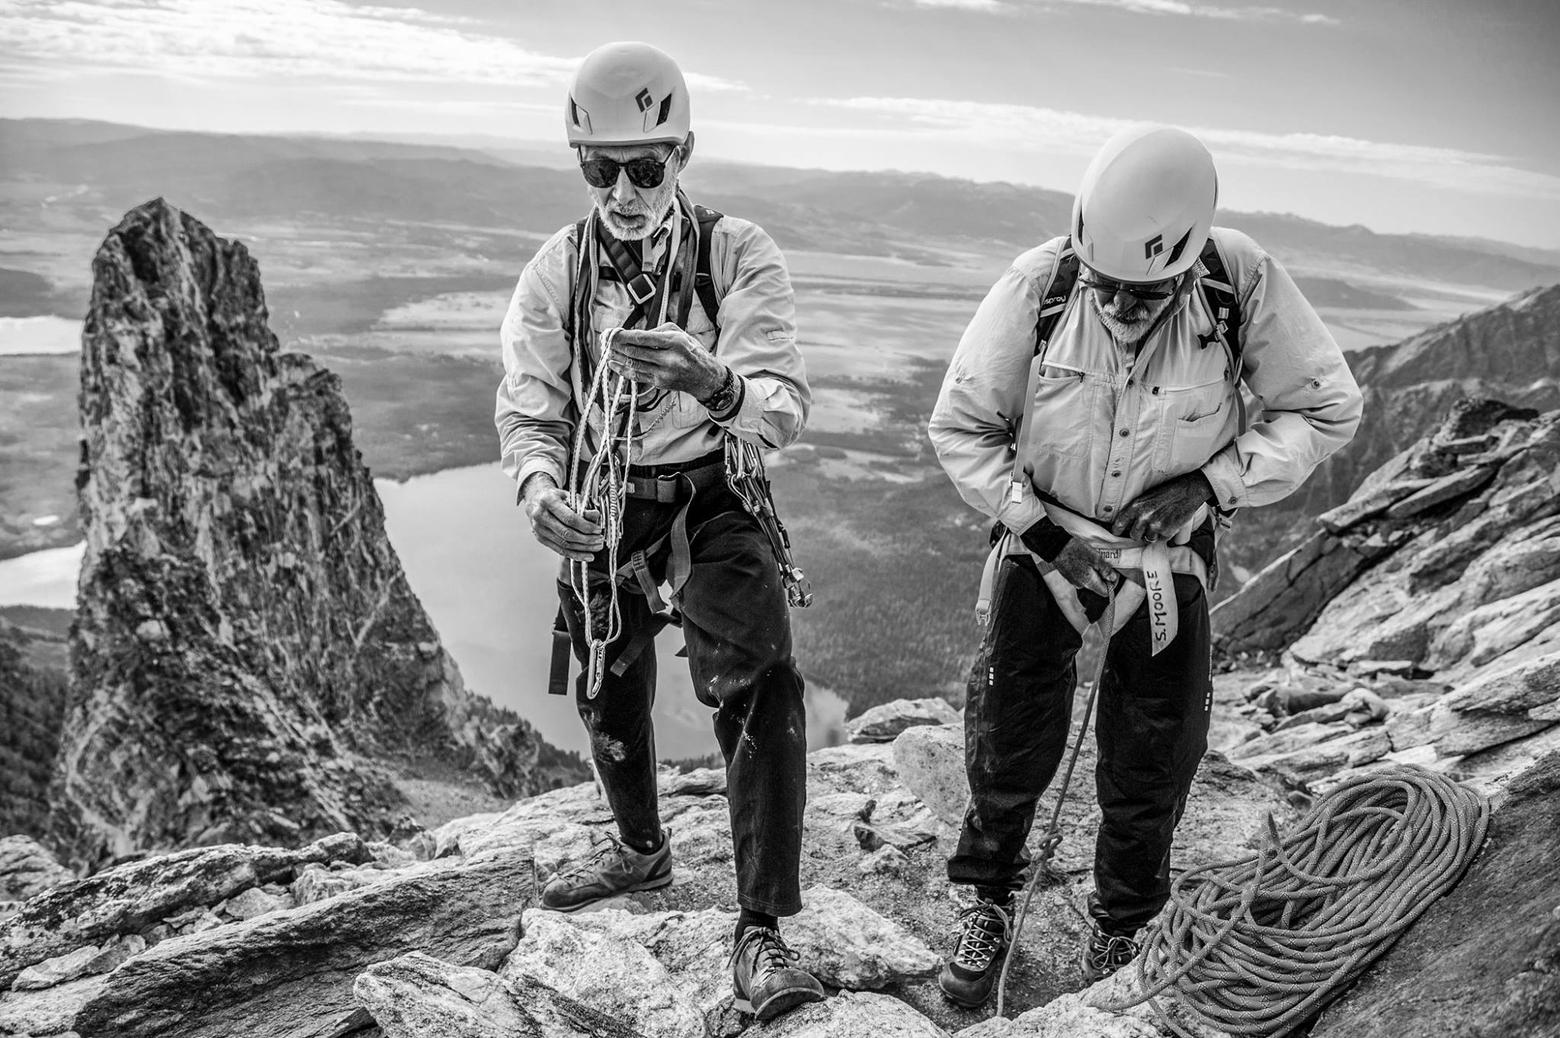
963 1000
649 884
778 1003
973 1001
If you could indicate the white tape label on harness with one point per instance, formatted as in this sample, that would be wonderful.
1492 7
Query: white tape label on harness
1164 617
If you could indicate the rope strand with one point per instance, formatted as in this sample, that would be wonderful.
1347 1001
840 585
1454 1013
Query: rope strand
603 485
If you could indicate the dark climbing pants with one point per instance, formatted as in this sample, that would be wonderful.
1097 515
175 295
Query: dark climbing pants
738 632
1151 730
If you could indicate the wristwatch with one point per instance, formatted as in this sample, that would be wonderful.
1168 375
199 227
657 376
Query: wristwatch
724 402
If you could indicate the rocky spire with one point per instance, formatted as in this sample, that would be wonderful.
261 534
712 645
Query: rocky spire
249 662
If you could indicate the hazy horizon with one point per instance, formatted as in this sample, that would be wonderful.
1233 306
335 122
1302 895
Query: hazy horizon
1401 116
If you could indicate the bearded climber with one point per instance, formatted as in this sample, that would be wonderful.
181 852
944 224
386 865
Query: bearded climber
1118 351
647 351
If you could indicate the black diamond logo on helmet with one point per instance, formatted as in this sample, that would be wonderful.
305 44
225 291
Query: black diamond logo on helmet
644 100
1154 246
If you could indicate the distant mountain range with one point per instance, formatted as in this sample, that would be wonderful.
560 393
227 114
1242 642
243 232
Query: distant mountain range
104 168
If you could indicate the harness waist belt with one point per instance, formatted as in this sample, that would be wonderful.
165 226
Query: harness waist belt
1149 569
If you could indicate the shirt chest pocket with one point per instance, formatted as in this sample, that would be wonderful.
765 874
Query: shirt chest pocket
1063 410
1193 421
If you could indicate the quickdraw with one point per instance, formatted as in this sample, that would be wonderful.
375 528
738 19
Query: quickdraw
747 479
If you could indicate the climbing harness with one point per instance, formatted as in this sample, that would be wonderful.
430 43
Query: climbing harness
1148 568
1261 944
1053 833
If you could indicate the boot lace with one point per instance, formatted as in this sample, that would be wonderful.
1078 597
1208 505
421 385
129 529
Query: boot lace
985 930
1111 951
771 954
592 862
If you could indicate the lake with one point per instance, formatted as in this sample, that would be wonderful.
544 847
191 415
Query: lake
488 587
39 335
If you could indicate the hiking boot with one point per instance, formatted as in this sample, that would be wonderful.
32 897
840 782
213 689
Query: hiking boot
612 868
985 930
765 979
1105 953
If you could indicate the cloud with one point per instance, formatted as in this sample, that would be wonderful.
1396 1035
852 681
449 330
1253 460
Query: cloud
948 123
328 39
993 6
1178 8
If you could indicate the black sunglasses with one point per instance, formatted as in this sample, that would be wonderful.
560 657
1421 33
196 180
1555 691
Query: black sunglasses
1149 291
642 172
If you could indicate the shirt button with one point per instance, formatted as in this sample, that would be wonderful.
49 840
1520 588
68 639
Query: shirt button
1116 474
1123 432
1107 508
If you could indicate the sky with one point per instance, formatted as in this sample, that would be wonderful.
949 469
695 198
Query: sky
1432 116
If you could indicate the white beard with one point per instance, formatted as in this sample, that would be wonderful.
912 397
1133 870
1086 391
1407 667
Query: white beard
1129 326
657 206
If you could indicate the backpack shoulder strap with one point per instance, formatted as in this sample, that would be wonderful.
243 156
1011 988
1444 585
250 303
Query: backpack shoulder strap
703 279
1058 290
1223 305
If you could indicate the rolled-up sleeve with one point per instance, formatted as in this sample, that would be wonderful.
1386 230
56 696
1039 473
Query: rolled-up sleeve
982 398
1309 404
757 341
533 410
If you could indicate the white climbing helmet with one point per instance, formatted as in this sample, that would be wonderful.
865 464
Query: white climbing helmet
1146 205
627 93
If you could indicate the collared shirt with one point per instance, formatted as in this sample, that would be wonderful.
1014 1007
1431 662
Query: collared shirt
535 412
1108 425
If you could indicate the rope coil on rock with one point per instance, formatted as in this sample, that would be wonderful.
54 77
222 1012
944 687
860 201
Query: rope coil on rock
1260 944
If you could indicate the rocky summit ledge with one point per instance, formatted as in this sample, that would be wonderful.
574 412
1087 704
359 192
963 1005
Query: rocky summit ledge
438 934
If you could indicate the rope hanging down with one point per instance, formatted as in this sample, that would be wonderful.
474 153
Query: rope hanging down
603 486
1259 945
1053 833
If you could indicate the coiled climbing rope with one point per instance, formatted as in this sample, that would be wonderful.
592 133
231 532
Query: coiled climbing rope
1260 944
601 483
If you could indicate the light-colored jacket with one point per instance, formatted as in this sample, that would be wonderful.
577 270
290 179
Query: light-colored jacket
757 339
1108 428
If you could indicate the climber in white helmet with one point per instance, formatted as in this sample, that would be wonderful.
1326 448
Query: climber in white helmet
643 348
1094 409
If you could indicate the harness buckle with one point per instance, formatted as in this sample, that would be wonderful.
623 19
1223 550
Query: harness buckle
641 287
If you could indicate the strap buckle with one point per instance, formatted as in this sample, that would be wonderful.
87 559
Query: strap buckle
641 287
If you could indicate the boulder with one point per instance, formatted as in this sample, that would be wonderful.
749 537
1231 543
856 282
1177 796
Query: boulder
883 723
600 959
59 970
49 1011
930 762
289 974
27 869
667 973
134 896
247 904
851 1014
846 944
419 996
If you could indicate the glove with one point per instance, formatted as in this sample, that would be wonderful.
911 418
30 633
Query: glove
1160 511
